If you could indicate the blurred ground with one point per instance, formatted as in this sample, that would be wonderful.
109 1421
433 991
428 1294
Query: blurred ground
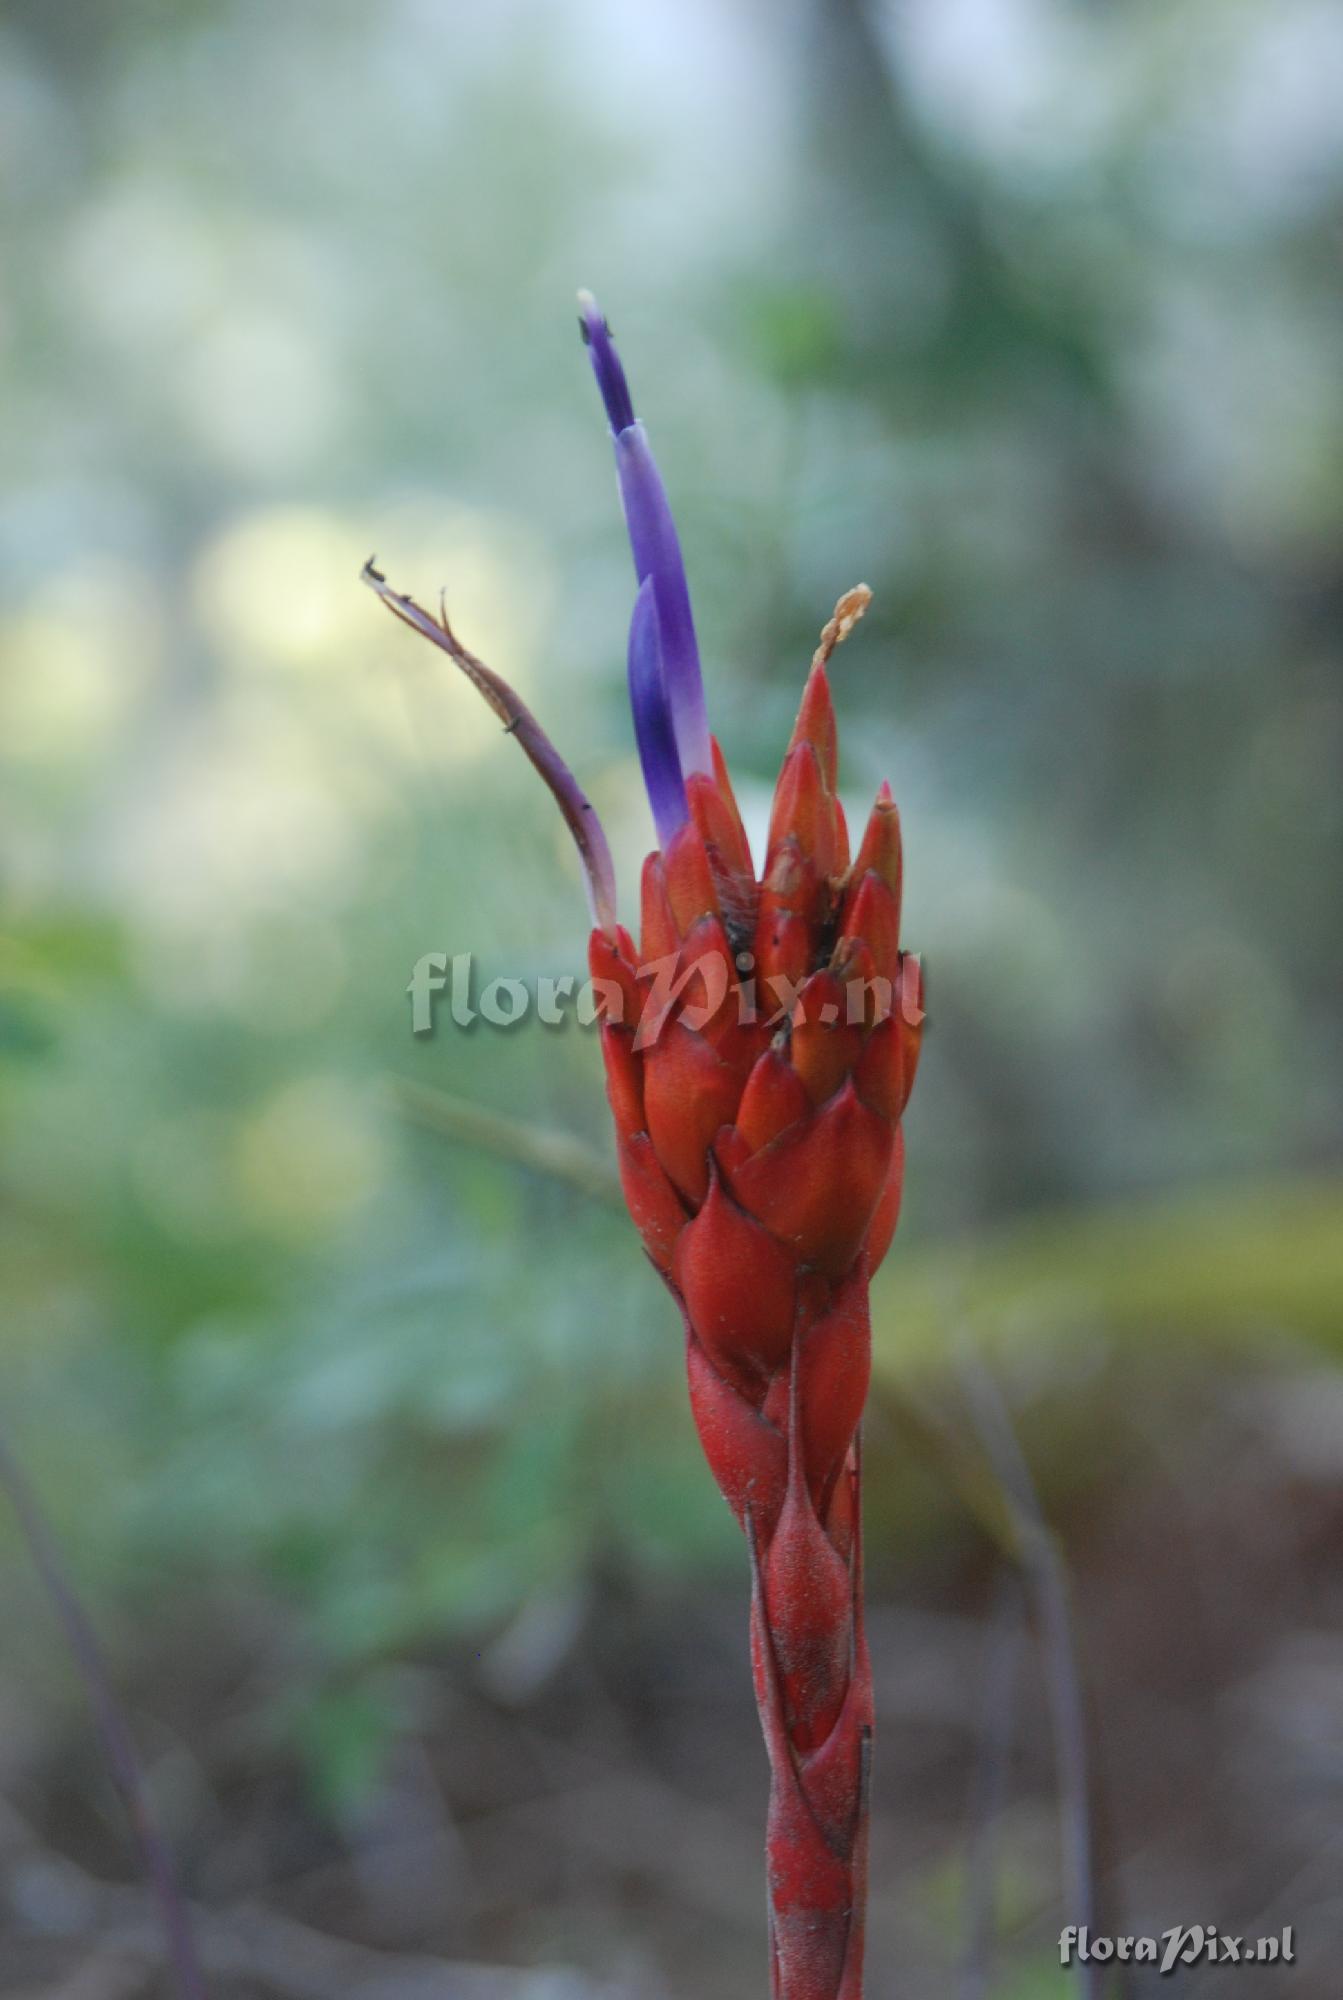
364 1439
584 1793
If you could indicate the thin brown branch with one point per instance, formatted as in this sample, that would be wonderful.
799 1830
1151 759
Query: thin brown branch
579 814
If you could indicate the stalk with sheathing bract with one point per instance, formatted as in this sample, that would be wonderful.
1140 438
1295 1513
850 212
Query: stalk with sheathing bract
760 1043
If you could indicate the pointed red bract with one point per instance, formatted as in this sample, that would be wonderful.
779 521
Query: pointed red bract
738 1284
879 1073
804 811
824 1044
705 983
911 1018
816 1188
624 1080
816 725
880 852
611 963
747 1454
720 828
658 935
872 915
774 1100
689 878
807 1594
651 1199
783 950
887 1212
689 1094
835 1362
724 783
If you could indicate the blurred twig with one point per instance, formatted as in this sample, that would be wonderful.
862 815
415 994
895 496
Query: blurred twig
990 1786
110 1724
946 1451
546 1152
1046 1580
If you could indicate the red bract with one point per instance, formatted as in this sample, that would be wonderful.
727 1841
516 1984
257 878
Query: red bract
760 1045
761 1157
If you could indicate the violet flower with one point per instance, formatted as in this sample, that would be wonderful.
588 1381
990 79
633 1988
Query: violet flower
666 688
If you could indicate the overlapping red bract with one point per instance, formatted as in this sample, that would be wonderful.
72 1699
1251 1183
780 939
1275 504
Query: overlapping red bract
761 1161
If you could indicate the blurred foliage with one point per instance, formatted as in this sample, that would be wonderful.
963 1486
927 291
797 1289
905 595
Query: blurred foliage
1026 314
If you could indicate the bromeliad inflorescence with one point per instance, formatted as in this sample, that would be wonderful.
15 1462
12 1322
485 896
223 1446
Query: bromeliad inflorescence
760 1044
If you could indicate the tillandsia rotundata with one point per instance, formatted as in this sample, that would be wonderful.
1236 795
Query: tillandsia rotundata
760 1043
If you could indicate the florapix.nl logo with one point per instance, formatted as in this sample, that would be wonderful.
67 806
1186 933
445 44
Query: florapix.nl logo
1182 1944
447 986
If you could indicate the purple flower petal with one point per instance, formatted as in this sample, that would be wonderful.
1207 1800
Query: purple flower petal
653 730
657 557
656 549
605 363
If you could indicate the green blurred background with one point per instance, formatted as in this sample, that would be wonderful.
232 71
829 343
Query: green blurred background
364 1437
